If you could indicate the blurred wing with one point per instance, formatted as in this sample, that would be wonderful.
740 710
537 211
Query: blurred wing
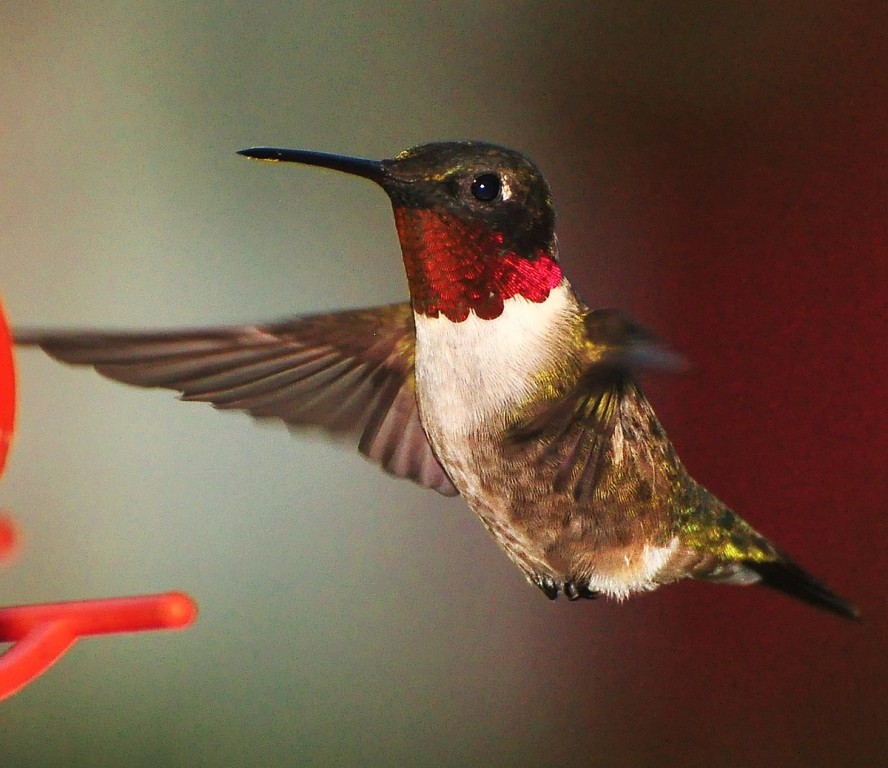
574 434
617 347
350 373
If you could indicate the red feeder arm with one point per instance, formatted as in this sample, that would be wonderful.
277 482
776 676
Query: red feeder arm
42 633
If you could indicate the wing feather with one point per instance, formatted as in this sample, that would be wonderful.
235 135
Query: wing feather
350 373
574 434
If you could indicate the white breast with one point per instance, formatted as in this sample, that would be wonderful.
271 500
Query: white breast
469 372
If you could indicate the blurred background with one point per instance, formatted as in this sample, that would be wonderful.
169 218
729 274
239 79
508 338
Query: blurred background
720 172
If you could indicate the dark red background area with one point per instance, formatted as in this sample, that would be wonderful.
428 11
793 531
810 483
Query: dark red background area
773 281
759 248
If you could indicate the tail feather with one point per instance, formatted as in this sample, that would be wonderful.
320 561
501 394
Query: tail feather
786 576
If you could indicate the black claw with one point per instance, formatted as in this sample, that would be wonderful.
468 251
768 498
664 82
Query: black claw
571 591
588 594
548 585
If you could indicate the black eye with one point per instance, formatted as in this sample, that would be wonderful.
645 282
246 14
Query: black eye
486 187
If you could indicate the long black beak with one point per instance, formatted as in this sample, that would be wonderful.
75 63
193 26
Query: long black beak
358 166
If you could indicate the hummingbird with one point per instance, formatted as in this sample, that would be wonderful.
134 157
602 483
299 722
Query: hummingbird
494 382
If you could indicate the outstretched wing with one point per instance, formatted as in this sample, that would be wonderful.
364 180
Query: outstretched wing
574 434
350 373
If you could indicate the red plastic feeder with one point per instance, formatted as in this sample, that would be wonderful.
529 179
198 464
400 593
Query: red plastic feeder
42 633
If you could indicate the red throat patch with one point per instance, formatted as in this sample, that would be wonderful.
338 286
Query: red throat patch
455 267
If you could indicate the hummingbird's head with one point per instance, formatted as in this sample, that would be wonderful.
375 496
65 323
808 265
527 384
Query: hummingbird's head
475 221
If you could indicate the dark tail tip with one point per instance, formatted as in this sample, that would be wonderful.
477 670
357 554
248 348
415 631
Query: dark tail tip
787 577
